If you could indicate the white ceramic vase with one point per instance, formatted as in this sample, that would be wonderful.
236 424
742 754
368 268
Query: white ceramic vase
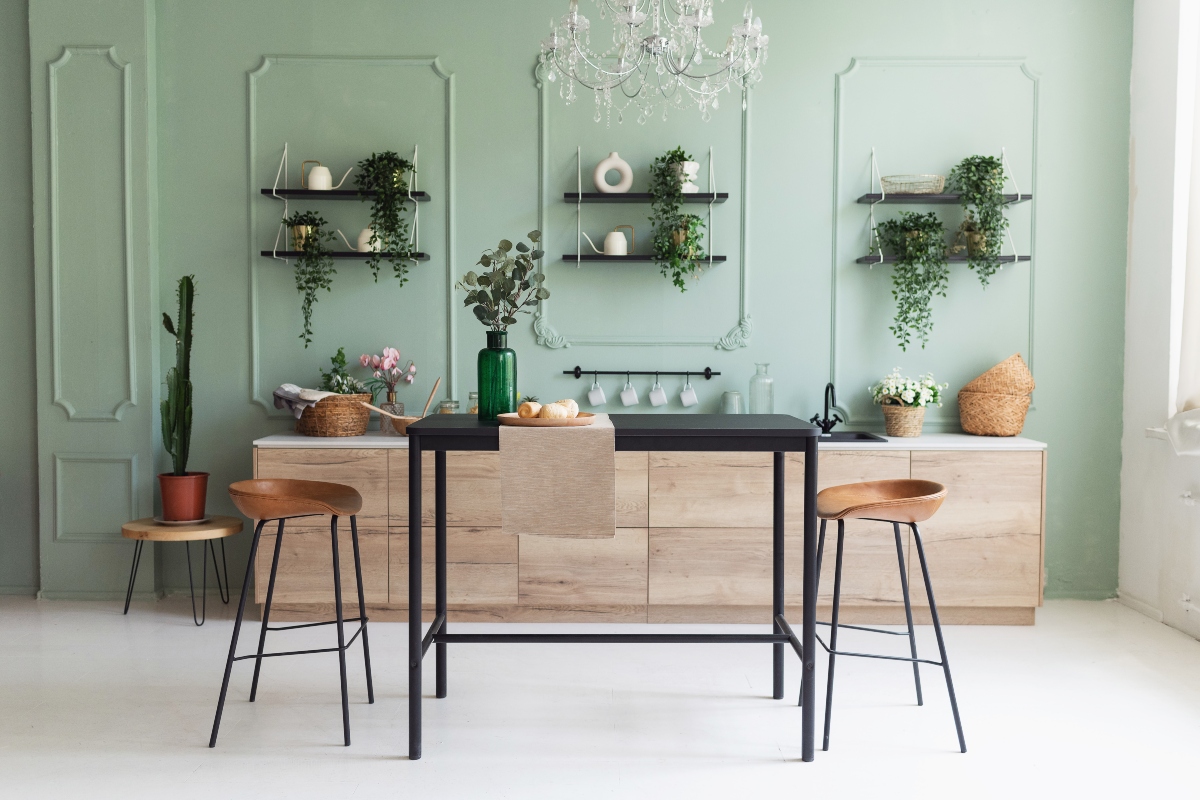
613 161
687 172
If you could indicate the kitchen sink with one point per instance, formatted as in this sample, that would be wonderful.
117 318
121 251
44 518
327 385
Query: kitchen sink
850 436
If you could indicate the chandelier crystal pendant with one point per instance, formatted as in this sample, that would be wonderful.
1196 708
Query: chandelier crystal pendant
658 58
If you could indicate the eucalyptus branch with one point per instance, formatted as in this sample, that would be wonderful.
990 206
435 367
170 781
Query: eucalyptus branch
512 285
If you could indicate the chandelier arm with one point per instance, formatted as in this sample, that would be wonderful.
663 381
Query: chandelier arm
583 54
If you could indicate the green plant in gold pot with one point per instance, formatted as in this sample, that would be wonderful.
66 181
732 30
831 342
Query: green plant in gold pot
510 285
918 241
980 181
314 264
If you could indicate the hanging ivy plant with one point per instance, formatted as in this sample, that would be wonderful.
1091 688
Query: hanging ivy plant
677 239
384 174
980 181
919 243
314 266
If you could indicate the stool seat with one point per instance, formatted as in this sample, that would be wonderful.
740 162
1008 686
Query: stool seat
280 498
905 501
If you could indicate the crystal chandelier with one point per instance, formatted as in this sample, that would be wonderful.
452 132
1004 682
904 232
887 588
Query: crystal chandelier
657 58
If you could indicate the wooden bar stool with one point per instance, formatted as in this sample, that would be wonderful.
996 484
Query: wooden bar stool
900 502
267 500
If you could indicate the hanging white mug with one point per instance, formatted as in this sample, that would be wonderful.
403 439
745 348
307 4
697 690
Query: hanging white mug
658 395
596 394
629 394
688 395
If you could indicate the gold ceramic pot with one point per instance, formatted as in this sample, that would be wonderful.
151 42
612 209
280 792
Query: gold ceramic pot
300 234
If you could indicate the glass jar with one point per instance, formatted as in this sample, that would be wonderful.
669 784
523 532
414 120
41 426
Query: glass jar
448 407
386 426
762 391
472 402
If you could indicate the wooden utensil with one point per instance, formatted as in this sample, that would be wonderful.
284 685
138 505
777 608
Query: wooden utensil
400 423
511 418
436 384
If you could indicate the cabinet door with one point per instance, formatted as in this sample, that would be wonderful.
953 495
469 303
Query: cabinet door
365 470
481 567
984 543
709 567
305 572
711 490
582 573
870 567
633 490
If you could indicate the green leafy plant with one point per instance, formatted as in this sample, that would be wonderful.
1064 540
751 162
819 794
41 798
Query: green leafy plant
338 380
919 243
384 174
512 285
176 410
676 238
314 266
980 181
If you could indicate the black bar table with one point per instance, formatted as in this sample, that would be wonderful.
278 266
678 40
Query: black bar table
757 433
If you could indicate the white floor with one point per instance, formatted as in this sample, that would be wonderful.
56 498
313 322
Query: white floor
1093 701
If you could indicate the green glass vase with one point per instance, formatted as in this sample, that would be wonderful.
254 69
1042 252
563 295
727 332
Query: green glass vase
497 377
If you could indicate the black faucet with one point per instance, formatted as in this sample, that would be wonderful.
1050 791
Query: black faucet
826 424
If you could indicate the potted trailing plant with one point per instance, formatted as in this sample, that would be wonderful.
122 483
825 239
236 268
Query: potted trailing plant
342 413
677 238
314 266
510 286
919 243
904 401
183 492
980 181
384 175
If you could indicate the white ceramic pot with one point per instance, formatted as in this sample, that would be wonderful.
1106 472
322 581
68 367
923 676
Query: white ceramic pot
687 172
613 161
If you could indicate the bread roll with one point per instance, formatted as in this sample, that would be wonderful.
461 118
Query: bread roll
554 411
571 406
528 410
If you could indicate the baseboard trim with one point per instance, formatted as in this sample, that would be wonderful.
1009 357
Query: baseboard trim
55 594
1086 594
1140 606
28 591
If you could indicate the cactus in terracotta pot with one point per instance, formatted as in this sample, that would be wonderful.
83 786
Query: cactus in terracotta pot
183 492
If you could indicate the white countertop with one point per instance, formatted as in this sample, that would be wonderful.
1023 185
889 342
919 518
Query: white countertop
929 441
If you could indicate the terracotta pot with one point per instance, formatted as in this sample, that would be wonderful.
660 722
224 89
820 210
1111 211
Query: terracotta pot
183 495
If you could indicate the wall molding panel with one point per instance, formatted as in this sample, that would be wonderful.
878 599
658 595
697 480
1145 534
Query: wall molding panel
79 409
63 493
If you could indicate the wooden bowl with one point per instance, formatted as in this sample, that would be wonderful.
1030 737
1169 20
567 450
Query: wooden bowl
511 418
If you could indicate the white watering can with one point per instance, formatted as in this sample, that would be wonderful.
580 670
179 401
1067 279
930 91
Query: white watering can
615 243
319 177
364 241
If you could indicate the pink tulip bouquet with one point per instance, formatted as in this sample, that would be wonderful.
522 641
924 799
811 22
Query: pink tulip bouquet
386 371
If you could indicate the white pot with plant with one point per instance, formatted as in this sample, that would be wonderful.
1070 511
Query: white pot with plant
904 401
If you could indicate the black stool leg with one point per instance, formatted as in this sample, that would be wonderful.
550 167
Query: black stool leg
222 590
362 607
237 627
262 634
820 555
937 629
833 632
187 546
337 604
912 636
137 557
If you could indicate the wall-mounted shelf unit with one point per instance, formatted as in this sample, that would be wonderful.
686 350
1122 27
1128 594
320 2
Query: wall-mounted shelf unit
931 199
331 194
340 254
634 257
954 259
640 197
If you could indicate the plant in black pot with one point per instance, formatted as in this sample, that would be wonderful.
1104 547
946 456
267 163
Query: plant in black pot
511 285
314 266
183 492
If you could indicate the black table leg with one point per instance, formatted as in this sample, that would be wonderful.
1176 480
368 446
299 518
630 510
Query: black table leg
809 633
137 557
777 576
439 471
414 597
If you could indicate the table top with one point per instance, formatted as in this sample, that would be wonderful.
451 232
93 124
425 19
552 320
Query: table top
217 527
702 432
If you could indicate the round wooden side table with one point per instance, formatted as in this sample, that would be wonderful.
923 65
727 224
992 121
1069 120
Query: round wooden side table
216 527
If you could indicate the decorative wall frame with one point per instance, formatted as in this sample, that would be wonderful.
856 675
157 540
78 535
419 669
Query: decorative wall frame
130 460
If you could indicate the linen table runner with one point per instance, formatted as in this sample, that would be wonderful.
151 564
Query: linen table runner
559 481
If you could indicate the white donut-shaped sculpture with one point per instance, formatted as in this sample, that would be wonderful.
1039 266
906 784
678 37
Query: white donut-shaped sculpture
613 161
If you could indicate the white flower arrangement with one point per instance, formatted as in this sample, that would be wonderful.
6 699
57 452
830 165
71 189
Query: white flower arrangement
896 390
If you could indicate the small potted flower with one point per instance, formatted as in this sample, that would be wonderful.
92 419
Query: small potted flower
385 377
904 401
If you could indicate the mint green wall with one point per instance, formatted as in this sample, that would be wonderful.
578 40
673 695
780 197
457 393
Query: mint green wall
1049 79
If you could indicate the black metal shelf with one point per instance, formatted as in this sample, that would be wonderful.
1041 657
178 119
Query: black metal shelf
341 254
640 197
332 194
634 257
932 199
954 259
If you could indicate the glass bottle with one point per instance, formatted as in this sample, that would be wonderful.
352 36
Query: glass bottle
386 426
762 391
497 377
472 402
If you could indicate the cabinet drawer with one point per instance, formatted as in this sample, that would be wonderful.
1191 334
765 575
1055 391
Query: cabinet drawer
365 470
305 572
481 567
711 490
710 566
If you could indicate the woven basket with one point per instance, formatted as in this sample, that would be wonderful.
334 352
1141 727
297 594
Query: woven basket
336 415
988 414
903 421
1010 376
912 184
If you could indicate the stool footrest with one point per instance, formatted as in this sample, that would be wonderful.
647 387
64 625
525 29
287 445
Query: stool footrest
862 628
821 642
315 624
344 647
